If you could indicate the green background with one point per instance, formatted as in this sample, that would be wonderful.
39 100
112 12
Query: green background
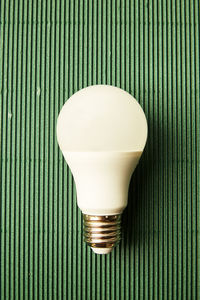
48 51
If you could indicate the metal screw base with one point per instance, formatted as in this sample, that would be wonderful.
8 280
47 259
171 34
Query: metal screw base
102 233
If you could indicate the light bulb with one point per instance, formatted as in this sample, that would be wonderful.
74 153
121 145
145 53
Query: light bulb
102 131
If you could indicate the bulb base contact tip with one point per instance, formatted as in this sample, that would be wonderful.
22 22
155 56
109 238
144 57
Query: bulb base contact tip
102 233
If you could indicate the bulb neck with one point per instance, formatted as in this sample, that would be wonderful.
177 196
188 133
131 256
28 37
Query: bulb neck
102 233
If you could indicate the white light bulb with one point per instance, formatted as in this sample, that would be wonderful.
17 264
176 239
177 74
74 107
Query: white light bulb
102 131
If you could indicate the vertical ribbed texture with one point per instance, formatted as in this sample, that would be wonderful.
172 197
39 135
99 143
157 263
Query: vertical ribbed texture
48 51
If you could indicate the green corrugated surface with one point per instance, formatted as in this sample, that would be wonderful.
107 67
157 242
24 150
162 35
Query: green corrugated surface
48 51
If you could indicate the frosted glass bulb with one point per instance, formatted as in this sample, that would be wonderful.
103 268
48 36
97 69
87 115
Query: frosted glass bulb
102 131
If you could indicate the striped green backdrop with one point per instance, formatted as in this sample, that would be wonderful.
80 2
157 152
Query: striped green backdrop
48 51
